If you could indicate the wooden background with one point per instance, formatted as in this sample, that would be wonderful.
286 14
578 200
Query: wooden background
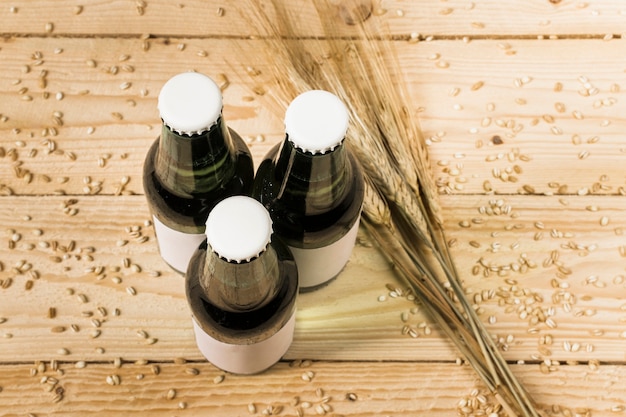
522 103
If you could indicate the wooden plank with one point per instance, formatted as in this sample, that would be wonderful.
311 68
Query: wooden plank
375 389
159 307
201 18
544 257
100 116
544 270
561 142
537 118
545 261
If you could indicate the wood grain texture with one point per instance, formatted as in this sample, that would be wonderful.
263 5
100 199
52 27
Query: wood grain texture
522 104
378 389
202 19
354 318
507 126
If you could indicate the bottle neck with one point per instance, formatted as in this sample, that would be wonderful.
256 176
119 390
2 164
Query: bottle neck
192 164
241 287
316 182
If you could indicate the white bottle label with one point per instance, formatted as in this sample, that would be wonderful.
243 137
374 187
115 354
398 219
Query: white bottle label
318 265
245 359
176 247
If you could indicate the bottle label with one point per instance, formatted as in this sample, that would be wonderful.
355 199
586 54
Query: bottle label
176 247
318 265
245 359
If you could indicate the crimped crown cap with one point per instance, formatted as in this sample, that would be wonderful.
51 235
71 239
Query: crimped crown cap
190 103
316 121
238 229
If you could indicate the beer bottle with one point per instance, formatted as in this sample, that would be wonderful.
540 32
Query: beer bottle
195 162
241 286
313 187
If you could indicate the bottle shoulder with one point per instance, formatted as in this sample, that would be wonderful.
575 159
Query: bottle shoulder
191 210
310 217
198 164
241 147
238 327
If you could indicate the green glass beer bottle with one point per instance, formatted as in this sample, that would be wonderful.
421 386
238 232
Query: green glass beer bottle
196 162
313 187
241 286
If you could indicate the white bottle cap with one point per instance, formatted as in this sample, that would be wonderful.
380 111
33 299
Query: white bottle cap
190 103
316 121
238 228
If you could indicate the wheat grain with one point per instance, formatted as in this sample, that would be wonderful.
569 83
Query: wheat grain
192 371
171 394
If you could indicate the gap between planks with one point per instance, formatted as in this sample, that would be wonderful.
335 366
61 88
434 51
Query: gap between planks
423 37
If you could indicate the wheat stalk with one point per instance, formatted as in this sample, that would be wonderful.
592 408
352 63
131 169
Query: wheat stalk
401 209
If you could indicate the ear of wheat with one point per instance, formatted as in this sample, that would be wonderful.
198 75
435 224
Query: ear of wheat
401 209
